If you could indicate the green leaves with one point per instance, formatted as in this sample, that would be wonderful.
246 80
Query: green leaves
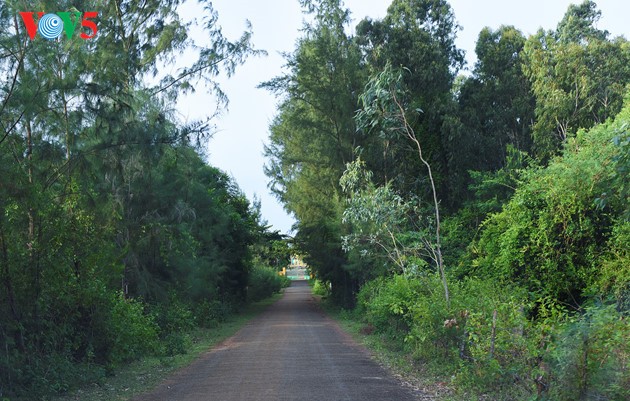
106 205
578 76
380 112
494 110
589 355
314 136
550 236
537 208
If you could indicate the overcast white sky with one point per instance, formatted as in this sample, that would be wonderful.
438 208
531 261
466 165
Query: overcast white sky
238 146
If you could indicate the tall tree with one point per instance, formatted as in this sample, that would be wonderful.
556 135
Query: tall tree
89 152
418 35
495 108
578 76
314 135
384 112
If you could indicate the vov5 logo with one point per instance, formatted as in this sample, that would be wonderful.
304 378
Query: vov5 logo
52 25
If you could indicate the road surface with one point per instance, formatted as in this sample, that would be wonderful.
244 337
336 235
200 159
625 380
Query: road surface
292 351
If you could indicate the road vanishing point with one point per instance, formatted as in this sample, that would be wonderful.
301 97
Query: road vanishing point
292 351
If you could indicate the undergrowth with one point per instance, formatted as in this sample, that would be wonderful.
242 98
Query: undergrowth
141 375
487 346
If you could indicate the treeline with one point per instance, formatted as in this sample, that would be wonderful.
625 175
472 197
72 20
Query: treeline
116 237
481 221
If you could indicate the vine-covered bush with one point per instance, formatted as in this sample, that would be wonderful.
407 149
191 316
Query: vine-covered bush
551 236
488 342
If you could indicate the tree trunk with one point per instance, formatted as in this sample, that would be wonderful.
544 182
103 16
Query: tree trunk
493 334
439 261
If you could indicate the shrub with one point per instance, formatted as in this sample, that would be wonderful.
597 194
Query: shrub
320 288
496 347
133 333
285 281
481 340
487 342
589 358
211 313
175 320
614 276
263 282
408 310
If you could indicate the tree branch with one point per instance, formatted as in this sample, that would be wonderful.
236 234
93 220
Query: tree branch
438 252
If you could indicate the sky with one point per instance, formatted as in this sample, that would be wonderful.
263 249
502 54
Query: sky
243 129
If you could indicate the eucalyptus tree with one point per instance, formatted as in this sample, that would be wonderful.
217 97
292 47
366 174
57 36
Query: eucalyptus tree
578 75
418 35
386 232
494 109
386 112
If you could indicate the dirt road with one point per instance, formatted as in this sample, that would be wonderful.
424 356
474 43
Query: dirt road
290 352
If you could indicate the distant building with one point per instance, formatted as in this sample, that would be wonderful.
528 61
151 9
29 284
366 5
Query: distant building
297 269
297 262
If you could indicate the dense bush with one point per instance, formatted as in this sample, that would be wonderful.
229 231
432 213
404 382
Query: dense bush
395 305
413 311
486 341
211 313
498 342
320 288
264 282
100 332
551 235
589 356
175 321
133 332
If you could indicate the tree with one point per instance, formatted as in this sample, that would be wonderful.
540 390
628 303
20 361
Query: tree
494 110
90 153
314 135
385 110
386 235
418 35
578 76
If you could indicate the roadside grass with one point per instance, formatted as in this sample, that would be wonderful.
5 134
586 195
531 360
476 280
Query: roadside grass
143 375
393 357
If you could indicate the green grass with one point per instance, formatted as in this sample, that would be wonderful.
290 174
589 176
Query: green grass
145 374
